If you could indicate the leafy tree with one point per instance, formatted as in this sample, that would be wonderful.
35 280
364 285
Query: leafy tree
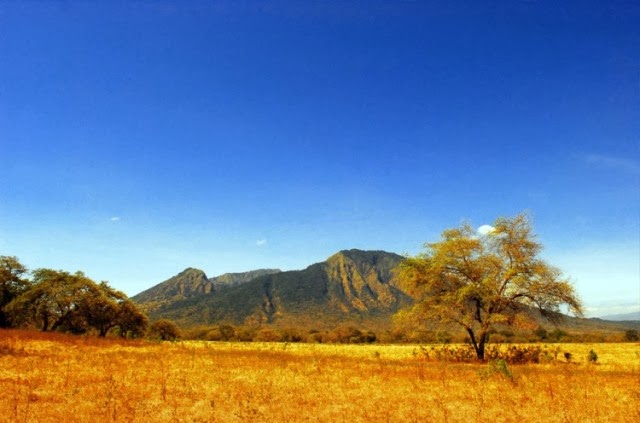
12 284
100 307
59 300
164 330
105 308
131 321
478 281
52 300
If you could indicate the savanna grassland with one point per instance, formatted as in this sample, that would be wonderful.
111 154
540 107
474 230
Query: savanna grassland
54 377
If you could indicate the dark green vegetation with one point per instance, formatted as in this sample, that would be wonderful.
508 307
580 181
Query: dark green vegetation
54 300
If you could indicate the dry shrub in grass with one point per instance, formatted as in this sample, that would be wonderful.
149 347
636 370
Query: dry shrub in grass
512 354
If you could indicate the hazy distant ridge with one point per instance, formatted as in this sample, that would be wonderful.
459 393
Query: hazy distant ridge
635 315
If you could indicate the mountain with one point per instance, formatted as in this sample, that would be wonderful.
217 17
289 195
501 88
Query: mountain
633 316
192 283
232 279
352 285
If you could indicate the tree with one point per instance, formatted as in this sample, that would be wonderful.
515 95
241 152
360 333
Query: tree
131 321
52 300
59 300
12 284
104 308
480 280
631 335
164 330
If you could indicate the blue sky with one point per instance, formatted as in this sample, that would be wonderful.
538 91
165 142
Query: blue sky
138 138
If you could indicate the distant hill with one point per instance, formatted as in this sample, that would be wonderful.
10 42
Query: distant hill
352 285
634 316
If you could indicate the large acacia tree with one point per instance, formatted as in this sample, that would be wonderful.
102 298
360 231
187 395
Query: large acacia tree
58 300
480 280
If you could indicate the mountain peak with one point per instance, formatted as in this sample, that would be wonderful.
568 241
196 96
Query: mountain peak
187 283
232 279
368 256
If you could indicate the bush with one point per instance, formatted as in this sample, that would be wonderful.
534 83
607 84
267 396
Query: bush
557 335
592 357
164 330
227 332
515 354
497 368
292 335
267 334
541 333
568 356
631 335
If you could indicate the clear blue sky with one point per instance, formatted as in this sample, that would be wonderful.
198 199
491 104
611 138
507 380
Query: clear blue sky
138 138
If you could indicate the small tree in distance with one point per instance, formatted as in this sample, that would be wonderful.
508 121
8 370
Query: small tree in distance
164 330
480 280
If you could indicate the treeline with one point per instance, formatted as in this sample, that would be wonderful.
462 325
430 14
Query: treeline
247 333
348 334
55 300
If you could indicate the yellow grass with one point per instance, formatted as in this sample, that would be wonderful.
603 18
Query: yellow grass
56 378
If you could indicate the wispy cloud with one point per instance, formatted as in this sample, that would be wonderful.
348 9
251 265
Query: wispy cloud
114 218
261 242
615 163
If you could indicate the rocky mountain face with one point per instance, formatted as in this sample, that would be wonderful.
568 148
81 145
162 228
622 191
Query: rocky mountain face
193 283
351 285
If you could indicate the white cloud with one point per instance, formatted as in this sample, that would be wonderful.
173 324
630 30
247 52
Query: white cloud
486 229
114 218
616 163
261 242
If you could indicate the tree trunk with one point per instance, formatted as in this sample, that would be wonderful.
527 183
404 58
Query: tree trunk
45 323
481 345
478 343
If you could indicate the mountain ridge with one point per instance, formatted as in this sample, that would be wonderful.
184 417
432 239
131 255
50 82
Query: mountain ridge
193 282
354 285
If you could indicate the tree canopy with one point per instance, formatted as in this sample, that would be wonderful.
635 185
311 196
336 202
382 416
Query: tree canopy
58 300
480 280
12 283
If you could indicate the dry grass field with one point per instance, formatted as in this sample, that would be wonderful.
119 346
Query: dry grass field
58 378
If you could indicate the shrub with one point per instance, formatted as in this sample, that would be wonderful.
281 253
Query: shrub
592 357
515 354
227 332
268 335
568 356
292 335
497 368
541 333
164 330
557 335
631 335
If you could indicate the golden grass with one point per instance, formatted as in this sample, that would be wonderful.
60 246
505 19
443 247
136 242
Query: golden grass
53 378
